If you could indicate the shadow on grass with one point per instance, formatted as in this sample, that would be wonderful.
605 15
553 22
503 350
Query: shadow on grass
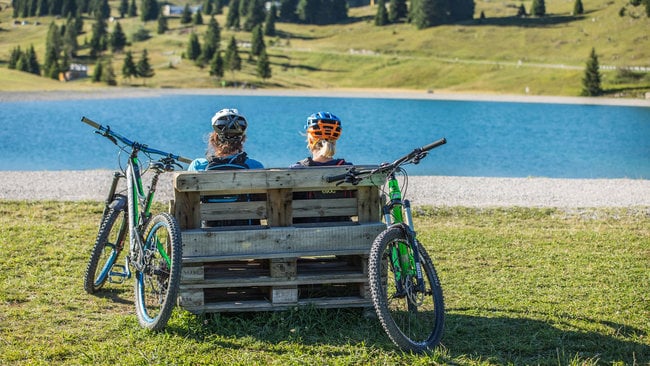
117 295
524 22
499 339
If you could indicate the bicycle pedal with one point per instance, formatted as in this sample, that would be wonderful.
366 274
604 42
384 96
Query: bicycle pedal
118 274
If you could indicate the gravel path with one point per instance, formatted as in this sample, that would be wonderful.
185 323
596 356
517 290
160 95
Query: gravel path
430 190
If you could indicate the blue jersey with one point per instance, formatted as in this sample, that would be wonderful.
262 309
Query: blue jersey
228 162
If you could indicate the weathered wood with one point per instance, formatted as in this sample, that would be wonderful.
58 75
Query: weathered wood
274 264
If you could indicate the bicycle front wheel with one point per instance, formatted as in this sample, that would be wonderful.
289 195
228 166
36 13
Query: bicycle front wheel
108 246
156 283
412 317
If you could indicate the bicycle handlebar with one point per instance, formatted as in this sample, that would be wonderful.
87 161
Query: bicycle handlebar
352 175
112 135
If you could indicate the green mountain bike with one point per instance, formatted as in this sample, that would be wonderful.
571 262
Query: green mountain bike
155 248
406 292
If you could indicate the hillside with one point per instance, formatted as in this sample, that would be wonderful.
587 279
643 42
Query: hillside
501 54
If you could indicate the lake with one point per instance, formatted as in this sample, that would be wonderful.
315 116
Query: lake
496 139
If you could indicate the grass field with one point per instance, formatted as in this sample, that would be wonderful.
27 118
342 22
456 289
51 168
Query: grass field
501 54
522 286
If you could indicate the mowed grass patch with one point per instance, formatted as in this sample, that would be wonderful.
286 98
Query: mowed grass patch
522 286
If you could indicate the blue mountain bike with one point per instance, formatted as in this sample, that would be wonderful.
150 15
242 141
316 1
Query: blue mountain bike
154 250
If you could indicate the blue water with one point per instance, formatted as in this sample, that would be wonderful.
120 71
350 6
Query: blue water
495 139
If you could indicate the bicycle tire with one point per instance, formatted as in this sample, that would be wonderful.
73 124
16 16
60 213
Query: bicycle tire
156 285
412 327
107 249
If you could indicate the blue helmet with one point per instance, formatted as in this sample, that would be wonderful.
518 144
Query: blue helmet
323 126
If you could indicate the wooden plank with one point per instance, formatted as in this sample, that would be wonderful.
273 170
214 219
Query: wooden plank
338 278
260 305
369 204
191 298
284 295
233 210
186 210
252 180
325 207
279 207
269 243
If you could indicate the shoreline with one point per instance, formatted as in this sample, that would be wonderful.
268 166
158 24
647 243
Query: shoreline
117 92
478 192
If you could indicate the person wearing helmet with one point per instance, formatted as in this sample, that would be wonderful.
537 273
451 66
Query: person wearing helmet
226 144
323 130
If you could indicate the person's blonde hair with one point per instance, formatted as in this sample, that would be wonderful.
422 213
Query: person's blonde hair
324 148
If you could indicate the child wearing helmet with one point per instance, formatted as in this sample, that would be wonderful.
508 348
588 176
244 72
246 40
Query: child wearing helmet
226 144
323 129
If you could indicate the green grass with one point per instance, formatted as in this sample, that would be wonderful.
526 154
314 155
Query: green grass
522 286
502 54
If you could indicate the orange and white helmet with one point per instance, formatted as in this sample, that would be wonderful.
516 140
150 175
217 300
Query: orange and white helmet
322 126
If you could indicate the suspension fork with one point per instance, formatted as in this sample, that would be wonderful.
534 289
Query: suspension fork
111 192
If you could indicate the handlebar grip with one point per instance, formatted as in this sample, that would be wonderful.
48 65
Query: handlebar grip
184 160
334 178
90 122
434 144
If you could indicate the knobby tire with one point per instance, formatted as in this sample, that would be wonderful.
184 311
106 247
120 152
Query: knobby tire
107 249
156 286
412 327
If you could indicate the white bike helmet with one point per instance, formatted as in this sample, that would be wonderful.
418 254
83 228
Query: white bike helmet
229 124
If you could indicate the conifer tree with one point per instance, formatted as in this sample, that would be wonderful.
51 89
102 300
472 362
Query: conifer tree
123 8
128 68
216 65
143 67
98 41
255 14
232 60
118 38
591 80
108 73
193 47
186 16
198 18
16 53
461 10
149 10
263 66
70 44
232 18
397 10
269 22
288 10
32 62
578 8
53 47
257 41
538 9
211 40
381 17
133 9
97 72
162 24
103 9
428 13
521 11
208 8
69 8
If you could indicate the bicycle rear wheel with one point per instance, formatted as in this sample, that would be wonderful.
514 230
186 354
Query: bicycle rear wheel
107 249
156 284
412 319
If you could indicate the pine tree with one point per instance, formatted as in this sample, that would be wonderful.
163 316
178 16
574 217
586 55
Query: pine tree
288 10
428 13
123 9
397 10
538 9
255 15
103 9
108 73
232 60
53 47
263 66
257 41
461 10
32 62
143 67
381 17
128 68
149 10
98 40
521 11
69 8
70 44
186 16
211 40
269 22
16 53
591 80
133 9
198 18
97 72
578 8
118 38
216 65
162 24
232 19
193 47
208 9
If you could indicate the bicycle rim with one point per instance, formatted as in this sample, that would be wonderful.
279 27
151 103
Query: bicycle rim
412 319
156 285
108 246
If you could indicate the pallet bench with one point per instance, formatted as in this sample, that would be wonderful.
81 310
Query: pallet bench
273 239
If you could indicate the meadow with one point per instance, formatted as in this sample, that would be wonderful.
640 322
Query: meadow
523 286
501 54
